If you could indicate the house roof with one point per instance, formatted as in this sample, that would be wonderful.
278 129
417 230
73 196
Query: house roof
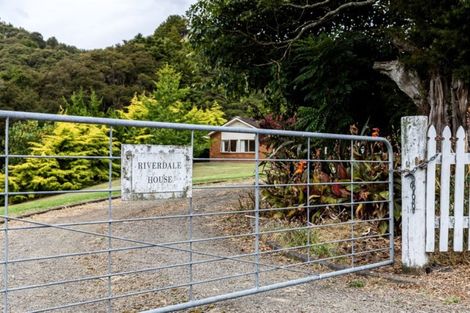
244 120
249 121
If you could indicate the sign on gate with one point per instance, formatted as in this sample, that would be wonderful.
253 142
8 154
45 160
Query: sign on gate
155 172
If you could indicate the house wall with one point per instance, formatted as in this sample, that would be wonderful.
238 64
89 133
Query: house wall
215 149
227 136
236 124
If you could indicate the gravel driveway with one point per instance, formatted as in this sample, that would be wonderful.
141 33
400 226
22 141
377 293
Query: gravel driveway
334 295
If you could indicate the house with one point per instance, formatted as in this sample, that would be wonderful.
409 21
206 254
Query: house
226 145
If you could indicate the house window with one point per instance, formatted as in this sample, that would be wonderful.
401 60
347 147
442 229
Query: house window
229 145
247 145
234 145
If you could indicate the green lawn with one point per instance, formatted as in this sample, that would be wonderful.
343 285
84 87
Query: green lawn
209 172
222 171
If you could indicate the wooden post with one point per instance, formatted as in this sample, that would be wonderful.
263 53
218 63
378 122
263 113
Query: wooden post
459 189
413 143
431 191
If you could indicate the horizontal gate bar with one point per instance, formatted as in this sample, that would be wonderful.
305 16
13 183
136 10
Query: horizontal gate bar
163 217
241 186
181 126
34 156
288 185
253 291
293 160
235 294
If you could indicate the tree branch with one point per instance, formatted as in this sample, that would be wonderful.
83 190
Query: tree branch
407 81
309 25
330 14
307 6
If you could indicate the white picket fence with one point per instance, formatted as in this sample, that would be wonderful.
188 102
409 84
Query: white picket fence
422 226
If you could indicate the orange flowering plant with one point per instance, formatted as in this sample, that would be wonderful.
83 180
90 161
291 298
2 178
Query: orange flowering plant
326 181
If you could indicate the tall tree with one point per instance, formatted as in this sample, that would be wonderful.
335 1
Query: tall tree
432 66
167 103
309 56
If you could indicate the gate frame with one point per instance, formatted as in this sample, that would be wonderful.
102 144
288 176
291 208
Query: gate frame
8 115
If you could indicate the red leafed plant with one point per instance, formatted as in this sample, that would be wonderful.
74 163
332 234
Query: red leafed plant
325 183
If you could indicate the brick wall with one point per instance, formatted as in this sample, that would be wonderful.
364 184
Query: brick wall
216 153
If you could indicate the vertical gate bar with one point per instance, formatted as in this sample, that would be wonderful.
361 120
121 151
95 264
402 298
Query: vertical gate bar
190 209
257 208
5 225
308 200
110 217
351 162
390 202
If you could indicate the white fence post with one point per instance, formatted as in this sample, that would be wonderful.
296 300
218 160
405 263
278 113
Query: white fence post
413 143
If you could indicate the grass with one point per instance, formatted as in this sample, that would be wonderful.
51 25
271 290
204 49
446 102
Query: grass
452 300
61 200
300 238
357 283
209 172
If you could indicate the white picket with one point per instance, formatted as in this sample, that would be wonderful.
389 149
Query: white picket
430 191
460 219
445 190
459 189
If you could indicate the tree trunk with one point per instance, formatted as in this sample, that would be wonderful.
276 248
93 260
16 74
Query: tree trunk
407 81
460 110
438 106
444 101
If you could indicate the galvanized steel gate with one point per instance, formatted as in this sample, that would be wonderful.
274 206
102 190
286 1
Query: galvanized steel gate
226 240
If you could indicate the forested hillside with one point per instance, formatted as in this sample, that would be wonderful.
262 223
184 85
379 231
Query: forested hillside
42 75
26 60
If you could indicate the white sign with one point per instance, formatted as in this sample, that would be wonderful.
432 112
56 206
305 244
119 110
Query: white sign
155 172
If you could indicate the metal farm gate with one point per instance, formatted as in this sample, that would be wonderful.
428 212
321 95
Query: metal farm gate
313 206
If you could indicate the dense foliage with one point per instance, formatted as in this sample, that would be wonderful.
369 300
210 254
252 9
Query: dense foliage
49 174
434 49
167 104
435 37
321 188
323 74
25 60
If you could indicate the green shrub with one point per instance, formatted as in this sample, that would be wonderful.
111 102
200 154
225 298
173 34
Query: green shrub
168 104
23 132
452 300
44 174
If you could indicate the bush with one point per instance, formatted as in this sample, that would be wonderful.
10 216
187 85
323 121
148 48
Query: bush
330 180
51 174
167 104
23 132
